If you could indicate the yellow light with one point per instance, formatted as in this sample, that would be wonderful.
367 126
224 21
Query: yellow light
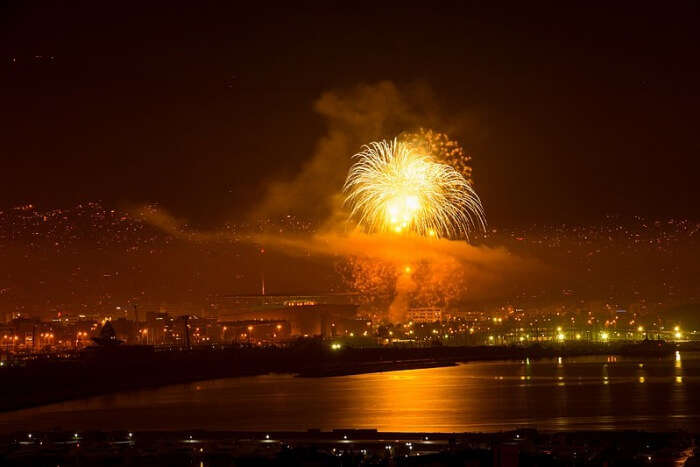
640 329
558 328
677 328
335 346
578 336
490 338
560 336
407 269
678 335
604 335
394 187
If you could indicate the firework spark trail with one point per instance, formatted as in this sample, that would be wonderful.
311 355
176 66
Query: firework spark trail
394 188
442 148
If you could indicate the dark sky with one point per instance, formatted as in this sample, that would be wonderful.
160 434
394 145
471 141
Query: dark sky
582 111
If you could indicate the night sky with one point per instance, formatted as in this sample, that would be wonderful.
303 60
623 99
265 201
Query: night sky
576 113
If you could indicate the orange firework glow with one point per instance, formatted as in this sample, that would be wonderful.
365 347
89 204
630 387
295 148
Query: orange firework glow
393 187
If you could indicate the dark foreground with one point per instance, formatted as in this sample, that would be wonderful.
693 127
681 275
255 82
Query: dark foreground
347 448
44 380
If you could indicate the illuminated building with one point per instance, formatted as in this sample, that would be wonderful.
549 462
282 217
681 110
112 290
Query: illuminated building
424 315
326 315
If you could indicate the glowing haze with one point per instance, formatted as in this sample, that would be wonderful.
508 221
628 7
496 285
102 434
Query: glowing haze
410 197
396 187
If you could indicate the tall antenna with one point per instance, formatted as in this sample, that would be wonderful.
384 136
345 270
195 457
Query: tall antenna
262 270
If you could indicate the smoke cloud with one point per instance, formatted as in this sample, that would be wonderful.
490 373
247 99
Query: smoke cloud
432 271
354 117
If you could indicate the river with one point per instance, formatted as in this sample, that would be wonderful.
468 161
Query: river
553 394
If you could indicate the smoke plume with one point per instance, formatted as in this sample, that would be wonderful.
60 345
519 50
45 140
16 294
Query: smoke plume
353 117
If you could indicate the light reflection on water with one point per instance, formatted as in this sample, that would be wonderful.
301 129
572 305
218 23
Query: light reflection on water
576 393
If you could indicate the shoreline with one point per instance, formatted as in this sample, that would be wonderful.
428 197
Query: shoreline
525 446
107 371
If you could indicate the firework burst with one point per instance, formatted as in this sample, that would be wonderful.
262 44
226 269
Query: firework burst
393 187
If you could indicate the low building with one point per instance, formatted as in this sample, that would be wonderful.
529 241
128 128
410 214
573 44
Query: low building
424 315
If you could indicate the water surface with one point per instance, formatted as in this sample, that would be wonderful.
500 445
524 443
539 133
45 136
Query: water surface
551 394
